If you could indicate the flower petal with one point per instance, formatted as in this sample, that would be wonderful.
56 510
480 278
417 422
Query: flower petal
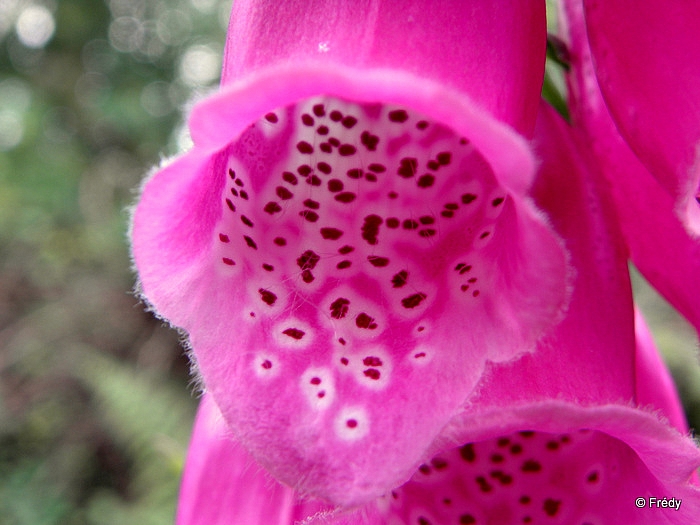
651 82
222 484
661 248
492 51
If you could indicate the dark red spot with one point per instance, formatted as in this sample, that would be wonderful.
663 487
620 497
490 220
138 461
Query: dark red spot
308 260
325 147
321 394
551 507
413 300
250 242
467 453
324 167
427 233
365 321
467 519
423 521
319 110
355 173
304 170
392 222
444 158
410 224
497 202
230 205
272 208
347 150
332 234
340 307
335 115
502 477
592 477
392 195
484 235
370 228
407 167
349 121
484 485
351 423
267 296
307 276
419 355
427 219
307 119
268 267
426 181
398 115
297 334
342 342
334 185
552 445
422 124
399 279
345 250
346 197
452 206
377 168
516 449
283 193
343 264
266 364
524 500
468 197
231 173
424 469
378 262
245 220
531 466
223 238
372 373
344 360
372 360
228 262
234 192
475 293
271 117
497 458
370 177
465 269
503 442
314 180
304 147
289 177
310 203
433 165
527 433
322 130
309 215
334 141
280 241
369 141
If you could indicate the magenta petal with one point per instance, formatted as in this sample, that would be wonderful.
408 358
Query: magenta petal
492 51
661 248
649 72
222 484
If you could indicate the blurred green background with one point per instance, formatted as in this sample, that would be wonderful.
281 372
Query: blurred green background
96 403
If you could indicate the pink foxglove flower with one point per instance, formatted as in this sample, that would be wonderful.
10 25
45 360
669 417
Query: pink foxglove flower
351 240
660 244
572 434
648 68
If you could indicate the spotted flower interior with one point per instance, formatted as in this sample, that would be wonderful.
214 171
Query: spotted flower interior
578 478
